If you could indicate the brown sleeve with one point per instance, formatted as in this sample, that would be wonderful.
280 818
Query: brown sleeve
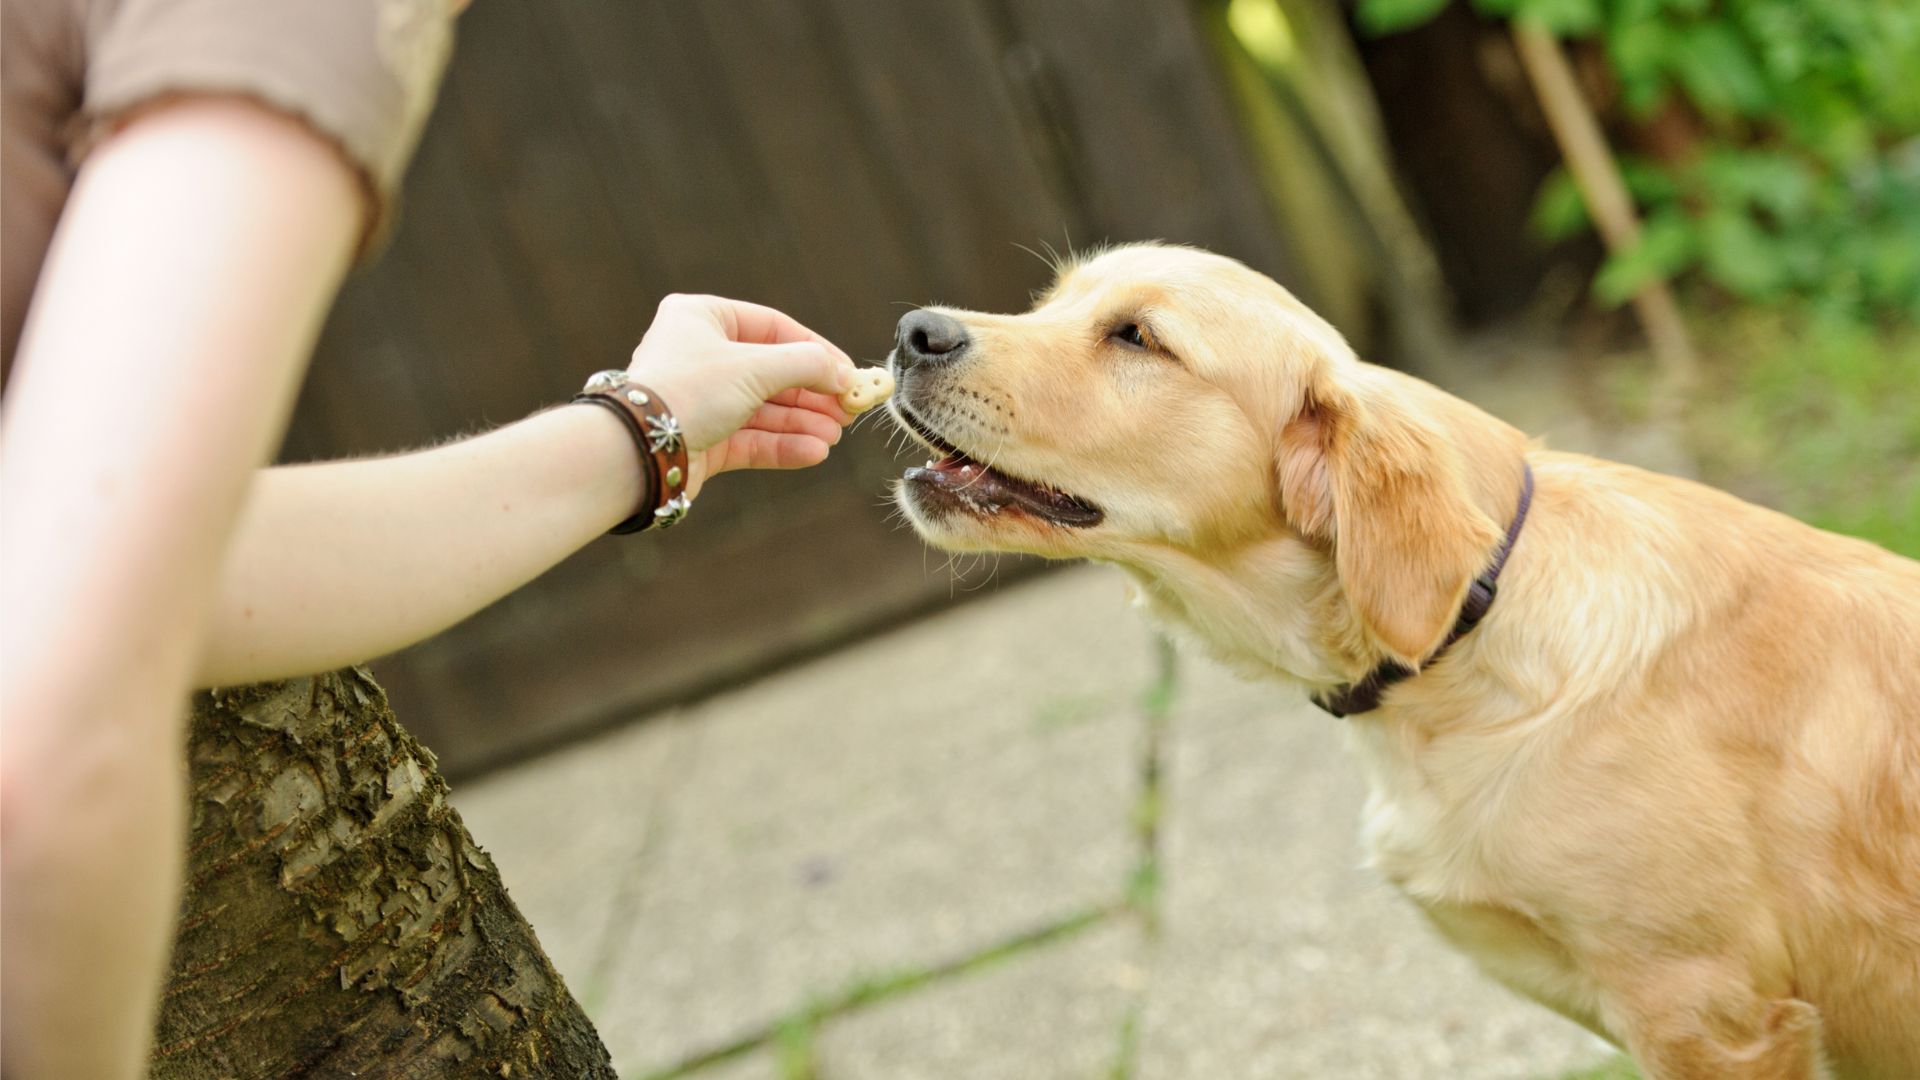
360 73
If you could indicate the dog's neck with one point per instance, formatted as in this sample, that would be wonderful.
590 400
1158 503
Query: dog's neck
1271 609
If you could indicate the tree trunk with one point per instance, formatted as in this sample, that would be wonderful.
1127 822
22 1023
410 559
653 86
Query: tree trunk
338 920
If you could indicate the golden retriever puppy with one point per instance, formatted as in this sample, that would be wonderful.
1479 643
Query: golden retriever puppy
1668 785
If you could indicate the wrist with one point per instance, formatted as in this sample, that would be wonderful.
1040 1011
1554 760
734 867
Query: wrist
658 442
601 463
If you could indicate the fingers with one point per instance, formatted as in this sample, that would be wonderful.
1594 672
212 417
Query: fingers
806 365
780 352
814 402
788 420
750 448
753 324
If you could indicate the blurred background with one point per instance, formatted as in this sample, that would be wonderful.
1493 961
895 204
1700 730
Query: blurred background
1403 165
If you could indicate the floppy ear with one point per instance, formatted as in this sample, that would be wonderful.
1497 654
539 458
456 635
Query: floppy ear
1370 469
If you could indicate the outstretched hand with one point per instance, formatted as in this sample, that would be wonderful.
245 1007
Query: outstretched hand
752 388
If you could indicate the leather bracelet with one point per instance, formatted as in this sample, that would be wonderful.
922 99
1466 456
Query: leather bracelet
656 436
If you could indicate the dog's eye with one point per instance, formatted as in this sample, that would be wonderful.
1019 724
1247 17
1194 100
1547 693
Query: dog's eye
1131 334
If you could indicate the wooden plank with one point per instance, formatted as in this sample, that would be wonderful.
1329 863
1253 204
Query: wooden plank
1148 123
964 187
772 61
582 289
690 189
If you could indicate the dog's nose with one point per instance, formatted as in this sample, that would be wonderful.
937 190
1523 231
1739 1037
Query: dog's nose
928 337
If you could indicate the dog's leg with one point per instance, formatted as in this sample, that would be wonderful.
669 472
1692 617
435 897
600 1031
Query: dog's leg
1690 1022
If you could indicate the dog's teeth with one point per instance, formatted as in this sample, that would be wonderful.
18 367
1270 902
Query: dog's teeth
929 463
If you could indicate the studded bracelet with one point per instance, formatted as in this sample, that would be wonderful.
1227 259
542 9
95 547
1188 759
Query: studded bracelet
657 438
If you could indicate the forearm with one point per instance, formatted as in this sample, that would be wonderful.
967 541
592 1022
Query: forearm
341 562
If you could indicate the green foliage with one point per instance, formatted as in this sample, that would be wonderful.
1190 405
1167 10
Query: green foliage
1667 245
1386 16
1806 180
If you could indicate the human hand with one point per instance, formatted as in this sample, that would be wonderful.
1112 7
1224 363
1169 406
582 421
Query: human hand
752 388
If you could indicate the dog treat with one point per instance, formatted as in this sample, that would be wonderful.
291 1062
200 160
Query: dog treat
871 386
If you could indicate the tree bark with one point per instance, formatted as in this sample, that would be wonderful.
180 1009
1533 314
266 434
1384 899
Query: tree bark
338 920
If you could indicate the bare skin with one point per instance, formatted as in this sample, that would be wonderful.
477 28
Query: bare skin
147 551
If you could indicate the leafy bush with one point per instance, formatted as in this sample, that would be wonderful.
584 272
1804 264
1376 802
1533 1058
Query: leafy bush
1806 182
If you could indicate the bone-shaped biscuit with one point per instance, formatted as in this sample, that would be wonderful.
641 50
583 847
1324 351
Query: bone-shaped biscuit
871 386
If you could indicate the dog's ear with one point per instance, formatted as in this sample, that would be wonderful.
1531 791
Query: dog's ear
1370 466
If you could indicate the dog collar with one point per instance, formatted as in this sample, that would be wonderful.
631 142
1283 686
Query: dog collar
1365 695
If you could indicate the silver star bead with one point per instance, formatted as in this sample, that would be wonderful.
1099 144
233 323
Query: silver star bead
669 514
663 432
611 379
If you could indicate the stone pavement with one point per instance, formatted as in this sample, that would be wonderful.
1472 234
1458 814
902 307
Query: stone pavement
1017 839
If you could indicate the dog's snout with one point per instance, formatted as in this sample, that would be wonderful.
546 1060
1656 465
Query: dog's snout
928 337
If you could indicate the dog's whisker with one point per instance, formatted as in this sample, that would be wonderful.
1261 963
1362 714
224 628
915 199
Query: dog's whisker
1052 265
1053 260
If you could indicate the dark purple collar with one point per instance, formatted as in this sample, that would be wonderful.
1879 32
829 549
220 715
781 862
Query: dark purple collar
1365 695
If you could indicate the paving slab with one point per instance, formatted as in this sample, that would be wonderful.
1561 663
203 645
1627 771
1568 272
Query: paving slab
1279 956
567 831
1054 1011
895 806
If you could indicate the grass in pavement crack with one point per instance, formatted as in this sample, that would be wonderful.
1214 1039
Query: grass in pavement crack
1125 1059
1156 708
1143 888
794 1034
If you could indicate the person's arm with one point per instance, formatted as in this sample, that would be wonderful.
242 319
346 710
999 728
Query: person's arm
193 265
341 562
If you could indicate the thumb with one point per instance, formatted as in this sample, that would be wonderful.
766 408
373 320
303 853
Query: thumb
807 365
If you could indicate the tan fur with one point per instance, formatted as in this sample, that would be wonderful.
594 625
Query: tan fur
1670 787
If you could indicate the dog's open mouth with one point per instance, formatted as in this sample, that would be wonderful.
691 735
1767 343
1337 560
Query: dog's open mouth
958 481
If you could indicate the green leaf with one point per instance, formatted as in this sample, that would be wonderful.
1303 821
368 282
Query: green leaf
1775 182
1647 180
1559 210
1667 246
1390 16
1735 252
1719 71
1637 50
1566 18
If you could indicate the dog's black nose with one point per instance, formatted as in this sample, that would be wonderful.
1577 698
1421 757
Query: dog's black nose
928 337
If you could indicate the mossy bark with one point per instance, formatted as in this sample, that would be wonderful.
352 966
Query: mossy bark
338 920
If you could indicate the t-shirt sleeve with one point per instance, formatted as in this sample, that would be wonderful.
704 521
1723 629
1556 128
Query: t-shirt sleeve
362 74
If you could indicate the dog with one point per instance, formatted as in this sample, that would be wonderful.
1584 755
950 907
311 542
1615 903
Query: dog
1648 753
